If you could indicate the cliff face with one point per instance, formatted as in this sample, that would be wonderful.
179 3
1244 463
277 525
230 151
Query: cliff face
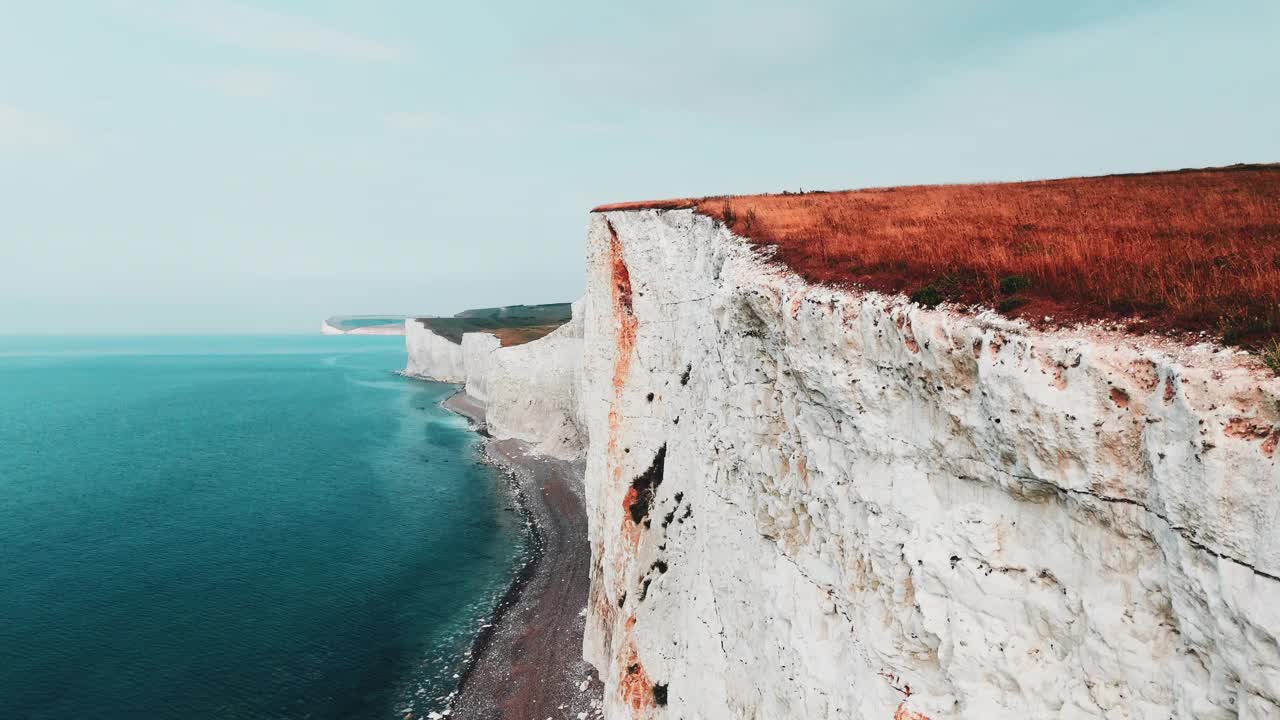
431 356
805 502
477 354
530 391
533 391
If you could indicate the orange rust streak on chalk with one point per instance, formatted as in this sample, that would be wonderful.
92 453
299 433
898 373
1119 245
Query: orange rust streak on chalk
902 713
633 683
625 336
629 500
636 688
623 311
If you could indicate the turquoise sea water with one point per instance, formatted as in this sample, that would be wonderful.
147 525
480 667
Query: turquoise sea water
237 528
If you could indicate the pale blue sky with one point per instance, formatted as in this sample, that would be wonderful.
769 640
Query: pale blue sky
220 166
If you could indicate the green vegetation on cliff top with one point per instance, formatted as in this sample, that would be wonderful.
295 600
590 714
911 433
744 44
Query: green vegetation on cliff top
512 324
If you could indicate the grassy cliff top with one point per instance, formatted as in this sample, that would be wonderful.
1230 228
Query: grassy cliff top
1179 251
512 324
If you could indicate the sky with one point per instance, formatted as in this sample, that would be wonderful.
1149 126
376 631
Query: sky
171 166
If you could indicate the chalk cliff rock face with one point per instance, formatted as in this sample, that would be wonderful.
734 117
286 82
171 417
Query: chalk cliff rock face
533 391
477 354
813 503
431 356
530 390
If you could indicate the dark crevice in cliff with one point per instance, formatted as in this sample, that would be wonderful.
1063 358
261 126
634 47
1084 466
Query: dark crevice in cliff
645 487
689 300
1182 531
644 589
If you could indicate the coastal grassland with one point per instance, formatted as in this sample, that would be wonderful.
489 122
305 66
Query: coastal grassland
509 336
512 324
1180 251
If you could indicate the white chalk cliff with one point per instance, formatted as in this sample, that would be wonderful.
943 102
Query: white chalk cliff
477 354
432 356
345 325
533 391
530 390
813 503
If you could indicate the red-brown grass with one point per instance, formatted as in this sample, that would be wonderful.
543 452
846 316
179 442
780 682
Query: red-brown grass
1182 251
521 335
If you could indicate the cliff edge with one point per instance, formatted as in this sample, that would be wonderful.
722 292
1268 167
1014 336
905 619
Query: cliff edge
975 452
808 501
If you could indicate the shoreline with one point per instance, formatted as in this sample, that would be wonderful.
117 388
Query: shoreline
528 663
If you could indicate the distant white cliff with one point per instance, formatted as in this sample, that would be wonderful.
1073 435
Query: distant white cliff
431 356
530 389
361 325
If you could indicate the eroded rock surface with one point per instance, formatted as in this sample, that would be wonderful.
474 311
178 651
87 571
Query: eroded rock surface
812 503
431 356
530 390
533 392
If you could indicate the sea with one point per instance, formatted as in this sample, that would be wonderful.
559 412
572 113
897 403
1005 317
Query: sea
239 527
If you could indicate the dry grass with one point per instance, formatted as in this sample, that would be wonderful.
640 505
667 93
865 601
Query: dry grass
521 335
1192 250
1271 355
